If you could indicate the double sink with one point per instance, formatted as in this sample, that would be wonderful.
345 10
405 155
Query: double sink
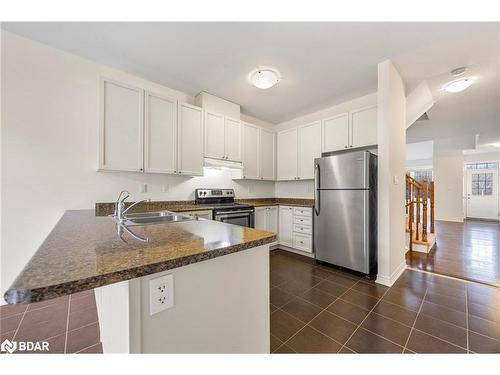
144 218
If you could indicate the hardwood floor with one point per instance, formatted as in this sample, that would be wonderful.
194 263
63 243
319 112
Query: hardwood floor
469 250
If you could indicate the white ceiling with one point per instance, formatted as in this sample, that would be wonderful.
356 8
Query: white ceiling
322 63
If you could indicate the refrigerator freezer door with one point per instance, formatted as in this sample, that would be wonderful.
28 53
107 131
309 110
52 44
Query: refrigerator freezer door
341 229
343 171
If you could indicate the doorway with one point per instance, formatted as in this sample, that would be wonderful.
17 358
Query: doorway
482 191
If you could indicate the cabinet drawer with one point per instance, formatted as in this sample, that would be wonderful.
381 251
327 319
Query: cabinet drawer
297 228
302 211
302 242
302 220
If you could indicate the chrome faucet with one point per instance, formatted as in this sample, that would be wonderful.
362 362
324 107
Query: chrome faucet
120 209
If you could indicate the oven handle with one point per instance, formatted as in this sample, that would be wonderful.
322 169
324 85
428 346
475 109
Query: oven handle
225 213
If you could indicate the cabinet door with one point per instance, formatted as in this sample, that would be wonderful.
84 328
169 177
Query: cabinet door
261 218
190 140
272 219
286 226
250 150
335 133
287 155
160 134
309 149
267 155
121 127
364 127
232 139
214 135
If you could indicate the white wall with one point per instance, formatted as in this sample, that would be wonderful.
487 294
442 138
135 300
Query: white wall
50 102
482 157
295 189
257 121
448 181
391 126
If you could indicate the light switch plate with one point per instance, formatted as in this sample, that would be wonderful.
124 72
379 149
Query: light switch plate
143 188
161 293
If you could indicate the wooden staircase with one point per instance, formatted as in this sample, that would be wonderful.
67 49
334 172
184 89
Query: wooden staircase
419 206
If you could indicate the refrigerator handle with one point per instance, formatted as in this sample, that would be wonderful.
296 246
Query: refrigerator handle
317 174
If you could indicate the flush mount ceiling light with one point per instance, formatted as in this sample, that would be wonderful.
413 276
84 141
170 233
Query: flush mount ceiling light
458 85
264 77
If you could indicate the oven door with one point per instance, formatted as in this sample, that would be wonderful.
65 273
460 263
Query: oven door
244 218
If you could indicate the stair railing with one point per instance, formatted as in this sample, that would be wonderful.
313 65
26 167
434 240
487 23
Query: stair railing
416 206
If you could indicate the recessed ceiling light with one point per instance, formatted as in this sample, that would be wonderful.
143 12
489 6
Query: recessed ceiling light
458 85
264 77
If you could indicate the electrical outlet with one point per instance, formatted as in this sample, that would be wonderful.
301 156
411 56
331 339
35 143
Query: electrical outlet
164 188
161 293
143 188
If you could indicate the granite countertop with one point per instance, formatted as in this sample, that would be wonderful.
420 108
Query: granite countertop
84 251
107 208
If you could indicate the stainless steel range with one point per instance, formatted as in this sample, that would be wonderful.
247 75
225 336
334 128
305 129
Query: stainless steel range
224 207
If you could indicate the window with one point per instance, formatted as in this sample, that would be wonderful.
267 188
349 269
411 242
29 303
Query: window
420 174
488 165
482 183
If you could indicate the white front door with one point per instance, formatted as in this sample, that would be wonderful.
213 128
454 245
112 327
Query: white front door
482 193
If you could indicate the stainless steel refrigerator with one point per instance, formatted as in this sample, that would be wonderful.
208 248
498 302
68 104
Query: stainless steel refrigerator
345 210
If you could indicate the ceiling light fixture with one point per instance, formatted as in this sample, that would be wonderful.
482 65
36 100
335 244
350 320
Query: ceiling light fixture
264 77
458 85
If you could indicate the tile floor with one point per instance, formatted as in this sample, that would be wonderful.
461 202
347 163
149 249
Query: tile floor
320 309
468 250
69 324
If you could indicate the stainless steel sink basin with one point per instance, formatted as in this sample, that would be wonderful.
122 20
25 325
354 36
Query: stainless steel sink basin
143 218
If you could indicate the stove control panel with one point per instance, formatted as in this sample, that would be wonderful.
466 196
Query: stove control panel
214 193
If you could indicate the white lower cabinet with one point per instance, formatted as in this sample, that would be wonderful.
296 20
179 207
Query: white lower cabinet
295 229
266 218
285 234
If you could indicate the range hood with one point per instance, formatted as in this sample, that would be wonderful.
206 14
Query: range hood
222 164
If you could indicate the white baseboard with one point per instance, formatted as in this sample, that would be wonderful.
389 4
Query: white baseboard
292 250
390 280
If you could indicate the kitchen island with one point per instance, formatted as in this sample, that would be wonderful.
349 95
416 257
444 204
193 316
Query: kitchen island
220 273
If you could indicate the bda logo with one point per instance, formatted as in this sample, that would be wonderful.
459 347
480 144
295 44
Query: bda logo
8 346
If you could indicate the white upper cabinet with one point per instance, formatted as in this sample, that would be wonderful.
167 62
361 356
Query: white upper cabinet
214 135
335 133
160 152
250 151
222 137
267 155
287 155
364 127
309 148
121 127
232 139
190 140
